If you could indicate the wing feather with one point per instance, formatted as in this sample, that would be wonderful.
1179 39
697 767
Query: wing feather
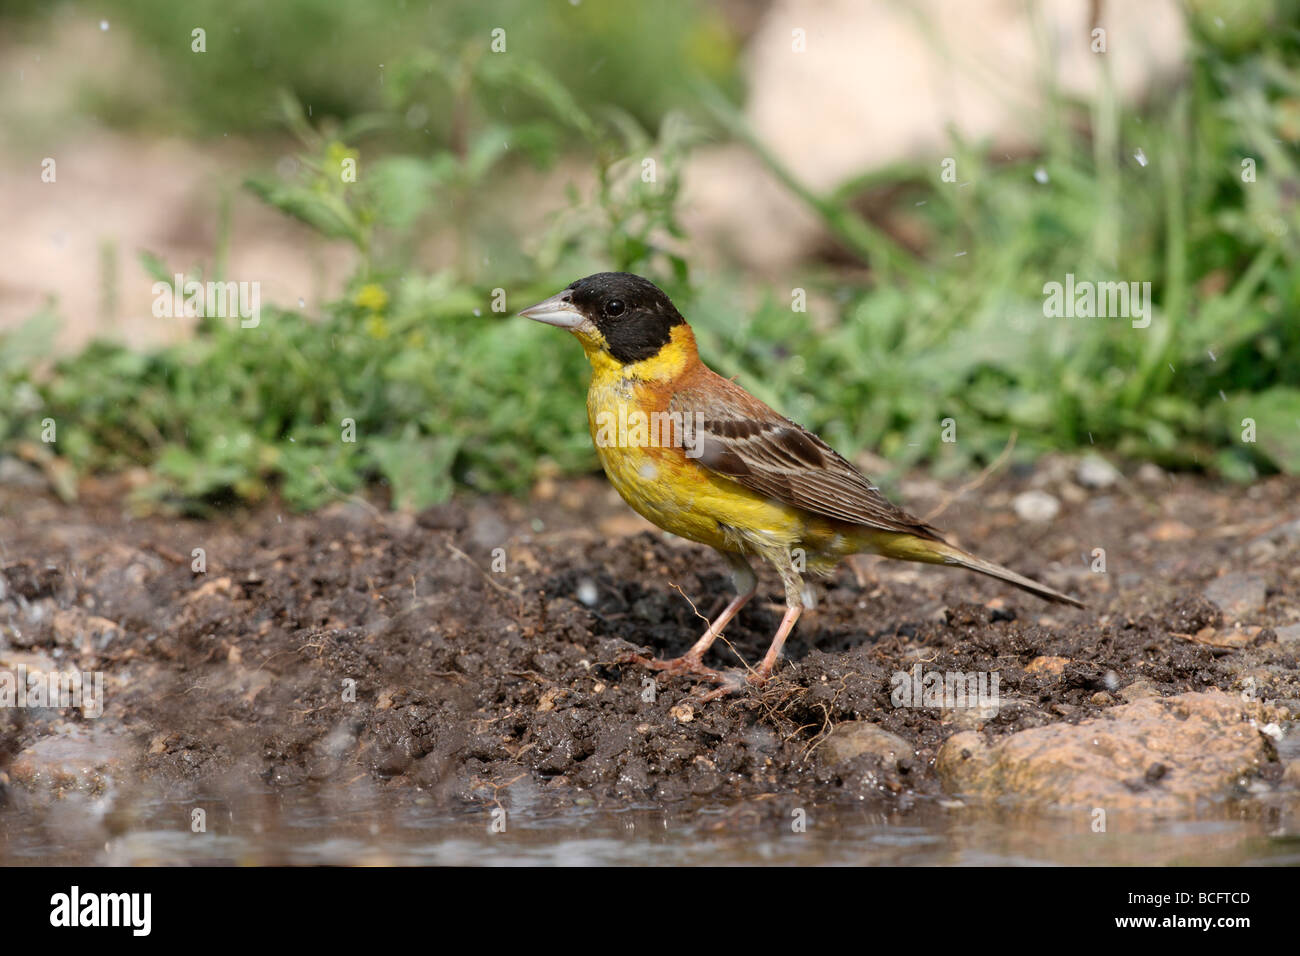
742 438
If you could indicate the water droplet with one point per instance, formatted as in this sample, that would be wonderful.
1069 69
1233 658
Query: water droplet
478 311
1140 156
960 254
587 592
103 25
1040 175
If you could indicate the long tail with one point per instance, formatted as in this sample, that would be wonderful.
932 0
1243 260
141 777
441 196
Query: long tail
916 548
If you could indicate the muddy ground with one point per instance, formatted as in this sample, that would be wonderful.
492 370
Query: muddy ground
470 680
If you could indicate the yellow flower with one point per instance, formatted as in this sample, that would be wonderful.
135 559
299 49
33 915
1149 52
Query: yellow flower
372 297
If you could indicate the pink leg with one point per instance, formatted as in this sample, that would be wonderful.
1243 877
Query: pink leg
760 675
714 630
692 661
774 652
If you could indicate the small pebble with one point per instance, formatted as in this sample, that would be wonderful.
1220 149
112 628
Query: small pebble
1238 595
1036 506
1096 472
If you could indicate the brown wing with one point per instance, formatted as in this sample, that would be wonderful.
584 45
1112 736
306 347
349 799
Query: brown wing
742 438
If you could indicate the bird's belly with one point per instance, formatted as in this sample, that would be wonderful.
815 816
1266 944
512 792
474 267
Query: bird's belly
683 497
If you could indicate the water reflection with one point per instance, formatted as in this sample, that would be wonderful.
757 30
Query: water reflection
302 827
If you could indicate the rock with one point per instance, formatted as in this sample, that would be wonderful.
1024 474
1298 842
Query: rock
975 716
1047 665
1140 689
1036 506
683 713
1287 534
1289 636
74 627
1172 531
1161 755
812 72
213 588
1291 775
1073 494
16 473
86 760
1150 474
1237 594
856 737
1096 472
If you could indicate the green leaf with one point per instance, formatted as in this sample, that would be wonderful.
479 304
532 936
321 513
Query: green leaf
325 213
1275 417
417 466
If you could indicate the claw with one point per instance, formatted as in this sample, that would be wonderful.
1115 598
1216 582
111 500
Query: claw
686 665
730 683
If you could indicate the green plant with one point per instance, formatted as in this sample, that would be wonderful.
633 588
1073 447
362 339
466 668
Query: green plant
442 391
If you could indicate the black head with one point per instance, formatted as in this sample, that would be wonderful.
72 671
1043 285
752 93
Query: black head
631 317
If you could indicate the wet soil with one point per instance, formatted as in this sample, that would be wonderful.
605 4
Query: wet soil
478 651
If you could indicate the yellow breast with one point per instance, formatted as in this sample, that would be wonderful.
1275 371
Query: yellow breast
646 461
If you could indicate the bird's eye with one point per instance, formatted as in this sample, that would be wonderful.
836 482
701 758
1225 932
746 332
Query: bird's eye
614 307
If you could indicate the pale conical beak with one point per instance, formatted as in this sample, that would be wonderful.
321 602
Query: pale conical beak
557 311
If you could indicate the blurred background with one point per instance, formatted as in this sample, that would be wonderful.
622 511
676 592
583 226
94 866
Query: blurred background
857 204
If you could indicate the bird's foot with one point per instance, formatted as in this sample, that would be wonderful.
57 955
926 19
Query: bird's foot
729 682
689 665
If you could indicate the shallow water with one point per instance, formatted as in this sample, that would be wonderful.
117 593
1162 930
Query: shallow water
304 828
365 822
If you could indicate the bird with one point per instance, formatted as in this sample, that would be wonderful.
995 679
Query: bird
700 457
